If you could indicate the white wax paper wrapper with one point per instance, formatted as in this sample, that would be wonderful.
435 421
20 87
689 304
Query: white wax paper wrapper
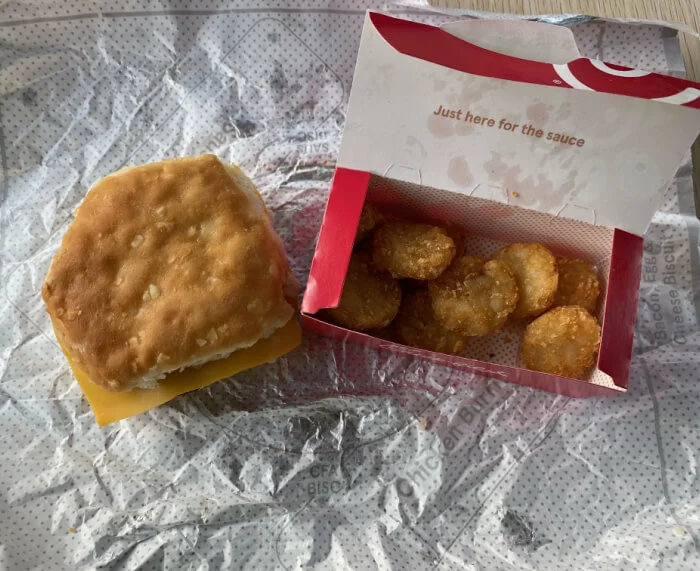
336 456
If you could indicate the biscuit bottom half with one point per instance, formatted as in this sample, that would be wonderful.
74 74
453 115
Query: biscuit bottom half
110 407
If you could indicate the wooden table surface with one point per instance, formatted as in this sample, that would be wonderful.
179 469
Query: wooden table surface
683 11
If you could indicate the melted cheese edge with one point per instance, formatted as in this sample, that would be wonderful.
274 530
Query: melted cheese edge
110 407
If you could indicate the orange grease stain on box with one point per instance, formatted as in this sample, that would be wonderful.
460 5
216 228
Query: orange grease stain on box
110 407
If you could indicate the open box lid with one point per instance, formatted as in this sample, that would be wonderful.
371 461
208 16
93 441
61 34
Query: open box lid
586 140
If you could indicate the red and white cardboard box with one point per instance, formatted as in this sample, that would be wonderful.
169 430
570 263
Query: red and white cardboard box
503 129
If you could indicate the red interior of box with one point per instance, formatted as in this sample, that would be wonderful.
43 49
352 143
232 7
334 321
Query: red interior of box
616 253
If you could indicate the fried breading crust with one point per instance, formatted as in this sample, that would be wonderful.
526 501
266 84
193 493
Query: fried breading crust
578 284
416 325
409 250
564 341
370 298
369 220
474 297
535 271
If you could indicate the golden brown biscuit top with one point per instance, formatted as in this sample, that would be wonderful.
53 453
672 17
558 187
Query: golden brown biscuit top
164 264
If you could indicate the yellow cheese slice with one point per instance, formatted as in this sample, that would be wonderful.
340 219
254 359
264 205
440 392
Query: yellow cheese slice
110 407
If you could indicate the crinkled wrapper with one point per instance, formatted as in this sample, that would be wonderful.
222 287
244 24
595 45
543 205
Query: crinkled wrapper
335 456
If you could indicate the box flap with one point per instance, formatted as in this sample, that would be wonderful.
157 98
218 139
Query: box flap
518 38
586 140
335 240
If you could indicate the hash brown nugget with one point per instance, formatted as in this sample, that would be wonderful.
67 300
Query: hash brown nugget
535 271
370 299
410 250
459 237
564 341
369 219
474 297
416 325
578 284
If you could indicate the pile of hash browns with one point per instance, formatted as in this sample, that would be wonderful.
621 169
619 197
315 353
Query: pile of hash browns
417 281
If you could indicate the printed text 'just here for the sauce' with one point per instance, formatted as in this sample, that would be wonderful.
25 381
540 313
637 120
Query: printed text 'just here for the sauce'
508 126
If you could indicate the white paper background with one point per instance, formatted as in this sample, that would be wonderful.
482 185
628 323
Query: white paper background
281 468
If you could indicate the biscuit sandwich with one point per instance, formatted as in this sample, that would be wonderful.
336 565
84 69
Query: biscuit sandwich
167 266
